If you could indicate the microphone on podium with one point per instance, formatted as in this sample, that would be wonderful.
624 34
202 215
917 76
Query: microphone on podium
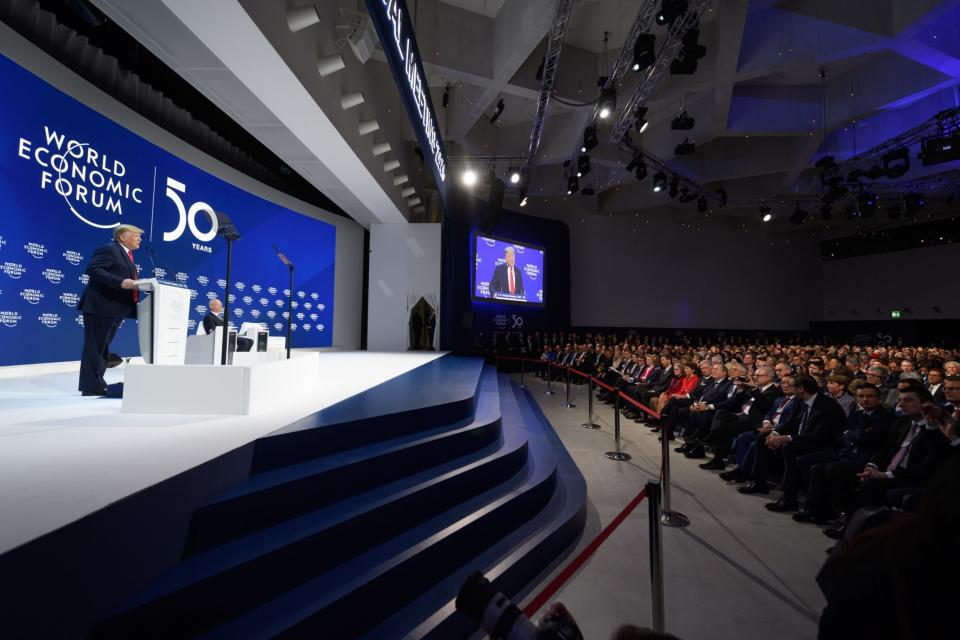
285 260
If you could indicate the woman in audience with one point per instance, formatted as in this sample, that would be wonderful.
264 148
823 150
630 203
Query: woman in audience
680 385
837 389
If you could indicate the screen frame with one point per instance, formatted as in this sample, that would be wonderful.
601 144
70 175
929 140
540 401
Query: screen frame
474 236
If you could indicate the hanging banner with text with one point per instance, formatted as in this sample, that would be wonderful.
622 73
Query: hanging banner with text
69 175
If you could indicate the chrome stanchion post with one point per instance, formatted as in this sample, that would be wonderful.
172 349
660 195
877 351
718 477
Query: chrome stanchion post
656 557
549 391
566 403
523 362
589 424
617 455
669 517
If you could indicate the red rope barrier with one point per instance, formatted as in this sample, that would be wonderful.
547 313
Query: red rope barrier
551 589
579 373
639 405
603 385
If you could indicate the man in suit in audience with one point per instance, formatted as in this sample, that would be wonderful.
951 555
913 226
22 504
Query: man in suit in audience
698 426
819 423
935 384
684 418
109 297
507 277
830 476
757 398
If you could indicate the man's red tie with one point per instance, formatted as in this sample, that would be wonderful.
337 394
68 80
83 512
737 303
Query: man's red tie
510 278
136 293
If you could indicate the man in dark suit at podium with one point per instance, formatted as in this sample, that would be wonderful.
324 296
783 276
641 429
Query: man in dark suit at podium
108 298
213 319
507 278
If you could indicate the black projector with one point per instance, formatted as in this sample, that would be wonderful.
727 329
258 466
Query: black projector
940 149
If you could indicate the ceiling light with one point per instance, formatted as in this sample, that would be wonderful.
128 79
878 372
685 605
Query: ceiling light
766 214
515 177
523 199
644 51
413 201
328 65
381 148
399 180
608 102
583 166
896 163
573 185
590 139
670 10
391 165
659 182
692 51
406 192
683 122
299 18
913 203
351 100
469 177
497 111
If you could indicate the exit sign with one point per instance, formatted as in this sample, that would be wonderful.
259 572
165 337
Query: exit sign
895 313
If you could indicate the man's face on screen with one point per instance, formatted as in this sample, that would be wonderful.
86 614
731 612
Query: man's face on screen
511 258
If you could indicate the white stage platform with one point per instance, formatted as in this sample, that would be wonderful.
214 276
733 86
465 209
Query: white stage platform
63 456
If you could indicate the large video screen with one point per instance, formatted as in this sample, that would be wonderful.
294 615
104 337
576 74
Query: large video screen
507 271
69 175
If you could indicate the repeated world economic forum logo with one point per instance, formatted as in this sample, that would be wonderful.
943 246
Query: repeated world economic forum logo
3 242
13 269
33 296
92 184
490 242
532 270
203 280
50 320
10 318
54 276
36 249
70 299
73 257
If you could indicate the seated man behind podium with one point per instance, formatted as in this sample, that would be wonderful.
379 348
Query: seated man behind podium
108 298
214 319
507 278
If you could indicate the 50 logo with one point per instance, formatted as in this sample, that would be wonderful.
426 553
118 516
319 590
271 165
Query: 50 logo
188 217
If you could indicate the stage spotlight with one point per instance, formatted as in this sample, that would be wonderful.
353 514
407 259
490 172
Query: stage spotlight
644 51
691 52
641 171
608 102
670 10
674 187
445 101
659 182
634 161
590 139
913 203
766 214
587 191
683 122
573 185
826 212
687 196
640 122
874 172
469 178
896 163
299 18
514 177
497 111
328 65
583 166
894 212
867 203
702 204
685 148
798 216
523 199
539 74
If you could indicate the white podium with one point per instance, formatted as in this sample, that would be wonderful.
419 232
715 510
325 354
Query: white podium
162 322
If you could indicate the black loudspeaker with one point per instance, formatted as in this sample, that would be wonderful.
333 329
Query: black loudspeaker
262 340
467 320
231 346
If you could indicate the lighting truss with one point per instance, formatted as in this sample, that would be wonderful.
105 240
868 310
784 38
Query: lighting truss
561 18
652 76
945 122
655 163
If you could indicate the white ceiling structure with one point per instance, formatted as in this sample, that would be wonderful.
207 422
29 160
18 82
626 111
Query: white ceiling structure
763 116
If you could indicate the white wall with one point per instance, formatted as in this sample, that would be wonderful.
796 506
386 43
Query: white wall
645 270
404 265
349 262
917 279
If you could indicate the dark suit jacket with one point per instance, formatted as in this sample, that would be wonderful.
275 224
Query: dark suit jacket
824 423
211 321
927 454
500 284
103 295
865 433
717 391
762 401
786 416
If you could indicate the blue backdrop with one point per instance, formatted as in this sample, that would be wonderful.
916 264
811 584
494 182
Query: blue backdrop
69 175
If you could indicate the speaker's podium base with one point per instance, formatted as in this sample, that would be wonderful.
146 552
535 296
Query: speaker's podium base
238 389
